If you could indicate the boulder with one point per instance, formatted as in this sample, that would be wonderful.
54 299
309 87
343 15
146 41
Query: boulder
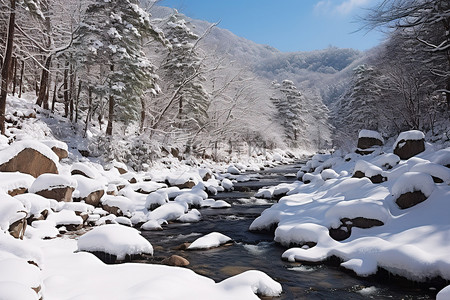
51 186
62 153
369 138
409 144
410 199
30 161
175 260
345 229
17 229
63 194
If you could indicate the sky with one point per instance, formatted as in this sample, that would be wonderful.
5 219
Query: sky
288 25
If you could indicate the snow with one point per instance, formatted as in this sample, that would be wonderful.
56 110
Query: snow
52 181
257 281
56 144
10 181
85 186
151 225
116 240
11 210
37 203
434 170
220 204
211 240
227 184
157 198
367 168
411 182
16 291
412 135
168 212
370 134
65 217
15 148
123 203
89 171
444 294
329 174
409 244
191 216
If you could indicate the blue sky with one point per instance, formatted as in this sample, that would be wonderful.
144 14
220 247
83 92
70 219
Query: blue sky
288 25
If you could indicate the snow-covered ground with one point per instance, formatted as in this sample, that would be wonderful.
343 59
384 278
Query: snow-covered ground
375 231
50 257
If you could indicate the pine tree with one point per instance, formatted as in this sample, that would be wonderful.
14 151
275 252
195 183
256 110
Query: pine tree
109 43
183 70
288 101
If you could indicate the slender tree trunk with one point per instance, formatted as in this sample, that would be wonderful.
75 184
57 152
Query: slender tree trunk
14 76
77 100
44 81
71 92
54 90
6 65
66 89
143 115
88 115
22 70
111 101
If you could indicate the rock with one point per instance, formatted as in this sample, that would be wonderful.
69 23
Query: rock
410 199
183 246
121 170
94 198
113 210
369 138
18 191
186 185
17 229
175 260
62 153
345 230
30 161
63 194
409 144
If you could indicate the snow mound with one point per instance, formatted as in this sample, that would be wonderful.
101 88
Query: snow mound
52 181
10 181
412 135
370 134
11 210
259 282
15 148
85 186
211 240
411 182
116 240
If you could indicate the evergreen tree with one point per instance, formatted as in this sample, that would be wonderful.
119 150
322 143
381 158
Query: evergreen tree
109 43
183 70
287 100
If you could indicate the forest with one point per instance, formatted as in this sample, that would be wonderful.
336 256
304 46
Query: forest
150 77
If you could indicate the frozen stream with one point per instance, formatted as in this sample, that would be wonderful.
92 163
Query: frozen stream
253 250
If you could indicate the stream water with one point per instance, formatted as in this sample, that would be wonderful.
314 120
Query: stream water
254 250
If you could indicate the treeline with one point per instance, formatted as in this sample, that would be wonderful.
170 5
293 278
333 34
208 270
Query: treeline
404 83
109 65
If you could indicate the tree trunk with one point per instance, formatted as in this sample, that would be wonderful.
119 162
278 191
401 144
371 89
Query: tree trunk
22 70
88 115
14 76
143 115
71 92
6 65
66 89
77 100
109 128
44 81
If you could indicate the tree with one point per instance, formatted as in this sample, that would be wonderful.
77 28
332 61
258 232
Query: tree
288 101
7 60
183 70
109 43
426 21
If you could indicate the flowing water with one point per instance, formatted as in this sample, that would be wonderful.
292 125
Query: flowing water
254 250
